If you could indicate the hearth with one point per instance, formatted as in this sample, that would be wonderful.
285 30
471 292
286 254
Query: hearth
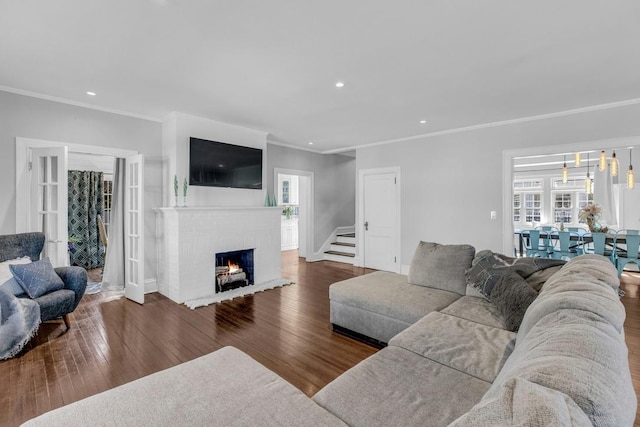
234 269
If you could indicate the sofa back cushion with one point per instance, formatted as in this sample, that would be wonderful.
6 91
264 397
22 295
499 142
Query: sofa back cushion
570 340
441 266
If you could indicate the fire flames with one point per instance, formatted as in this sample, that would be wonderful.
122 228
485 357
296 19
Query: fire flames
233 268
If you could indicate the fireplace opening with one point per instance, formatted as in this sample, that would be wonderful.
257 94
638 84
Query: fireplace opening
234 269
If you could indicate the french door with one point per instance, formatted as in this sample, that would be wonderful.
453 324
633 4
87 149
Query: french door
134 229
48 201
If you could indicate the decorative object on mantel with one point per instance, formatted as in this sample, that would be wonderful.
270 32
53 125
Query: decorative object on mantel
185 186
267 199
274 201
175 189
590 214
630 177
235 293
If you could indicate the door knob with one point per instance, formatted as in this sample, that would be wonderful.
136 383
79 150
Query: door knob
366 226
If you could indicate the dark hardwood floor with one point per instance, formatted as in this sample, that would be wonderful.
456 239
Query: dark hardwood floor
114 341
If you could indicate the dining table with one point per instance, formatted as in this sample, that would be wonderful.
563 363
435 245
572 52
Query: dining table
580 238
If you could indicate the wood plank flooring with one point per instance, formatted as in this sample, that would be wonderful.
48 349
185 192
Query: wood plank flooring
114 341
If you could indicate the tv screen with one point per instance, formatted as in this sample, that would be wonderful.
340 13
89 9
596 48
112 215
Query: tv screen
216 164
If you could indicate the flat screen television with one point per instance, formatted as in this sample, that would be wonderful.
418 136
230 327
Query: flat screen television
217 164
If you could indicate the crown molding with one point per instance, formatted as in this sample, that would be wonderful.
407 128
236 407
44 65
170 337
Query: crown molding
599 107
79 104
295 147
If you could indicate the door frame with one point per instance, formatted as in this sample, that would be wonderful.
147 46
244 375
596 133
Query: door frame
23 148
310 228
360 255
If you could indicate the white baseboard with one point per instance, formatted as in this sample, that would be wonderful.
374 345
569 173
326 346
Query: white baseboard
150 285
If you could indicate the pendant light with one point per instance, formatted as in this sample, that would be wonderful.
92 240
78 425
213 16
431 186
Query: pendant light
587 182
577 160
630 177
613 167
603 161
565 171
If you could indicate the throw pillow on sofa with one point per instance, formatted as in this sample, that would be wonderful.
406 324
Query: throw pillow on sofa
7 282
441 266
37 278
486 268
512 295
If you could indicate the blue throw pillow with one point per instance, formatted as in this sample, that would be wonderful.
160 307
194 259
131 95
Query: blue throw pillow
37 278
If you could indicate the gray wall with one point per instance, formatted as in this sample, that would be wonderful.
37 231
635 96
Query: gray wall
450 183
335 192
22 116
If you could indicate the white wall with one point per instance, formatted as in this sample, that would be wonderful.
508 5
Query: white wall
450 183
89 162
28 117
334 179
177 128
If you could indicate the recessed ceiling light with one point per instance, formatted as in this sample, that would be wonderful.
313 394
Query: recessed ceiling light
340 84
310 143
91 93
423 122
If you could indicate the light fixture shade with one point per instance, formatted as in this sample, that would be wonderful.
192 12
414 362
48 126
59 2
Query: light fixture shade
588 185
603 161
565 174
613 166
577 160
630 178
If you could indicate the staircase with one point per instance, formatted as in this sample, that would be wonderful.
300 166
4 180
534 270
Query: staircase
343 249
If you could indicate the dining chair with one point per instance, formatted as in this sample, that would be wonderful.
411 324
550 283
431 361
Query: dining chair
598 246
567 246
538 244
630 253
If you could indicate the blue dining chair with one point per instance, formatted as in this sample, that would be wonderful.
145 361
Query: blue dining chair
598 246
568 245
538 244
630 253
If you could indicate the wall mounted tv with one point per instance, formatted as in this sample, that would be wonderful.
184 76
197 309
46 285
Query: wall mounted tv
217 164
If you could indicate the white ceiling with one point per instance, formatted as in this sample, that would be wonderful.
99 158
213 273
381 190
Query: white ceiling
272 65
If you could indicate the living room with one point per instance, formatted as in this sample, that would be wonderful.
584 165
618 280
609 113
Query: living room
549 83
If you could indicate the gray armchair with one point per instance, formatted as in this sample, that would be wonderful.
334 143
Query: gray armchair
56 304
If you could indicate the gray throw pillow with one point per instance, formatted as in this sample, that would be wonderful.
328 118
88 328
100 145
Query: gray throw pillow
441 266
37 278
484 272
512 295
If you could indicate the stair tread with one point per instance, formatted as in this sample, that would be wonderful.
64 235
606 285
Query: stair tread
340 253
347 235
351 245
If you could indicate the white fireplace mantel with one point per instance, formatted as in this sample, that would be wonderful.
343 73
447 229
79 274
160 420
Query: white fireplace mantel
189 238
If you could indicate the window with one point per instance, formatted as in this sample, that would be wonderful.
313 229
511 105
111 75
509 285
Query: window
532 207
562 208
527 201
285 192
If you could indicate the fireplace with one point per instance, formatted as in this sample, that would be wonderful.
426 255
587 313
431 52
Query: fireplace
234 270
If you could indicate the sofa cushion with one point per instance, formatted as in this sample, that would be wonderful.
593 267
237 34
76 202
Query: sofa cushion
225 387
512 295
469 347
523 403
580 354
8 283
396 387
390 295
441 266
37 278
476 309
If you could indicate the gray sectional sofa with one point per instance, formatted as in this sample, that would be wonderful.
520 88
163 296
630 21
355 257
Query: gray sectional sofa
449 361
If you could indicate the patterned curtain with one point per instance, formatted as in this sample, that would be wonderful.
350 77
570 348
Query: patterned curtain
85 204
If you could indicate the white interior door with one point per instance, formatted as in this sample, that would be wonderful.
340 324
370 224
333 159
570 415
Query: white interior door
134 229
48 201
380 226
